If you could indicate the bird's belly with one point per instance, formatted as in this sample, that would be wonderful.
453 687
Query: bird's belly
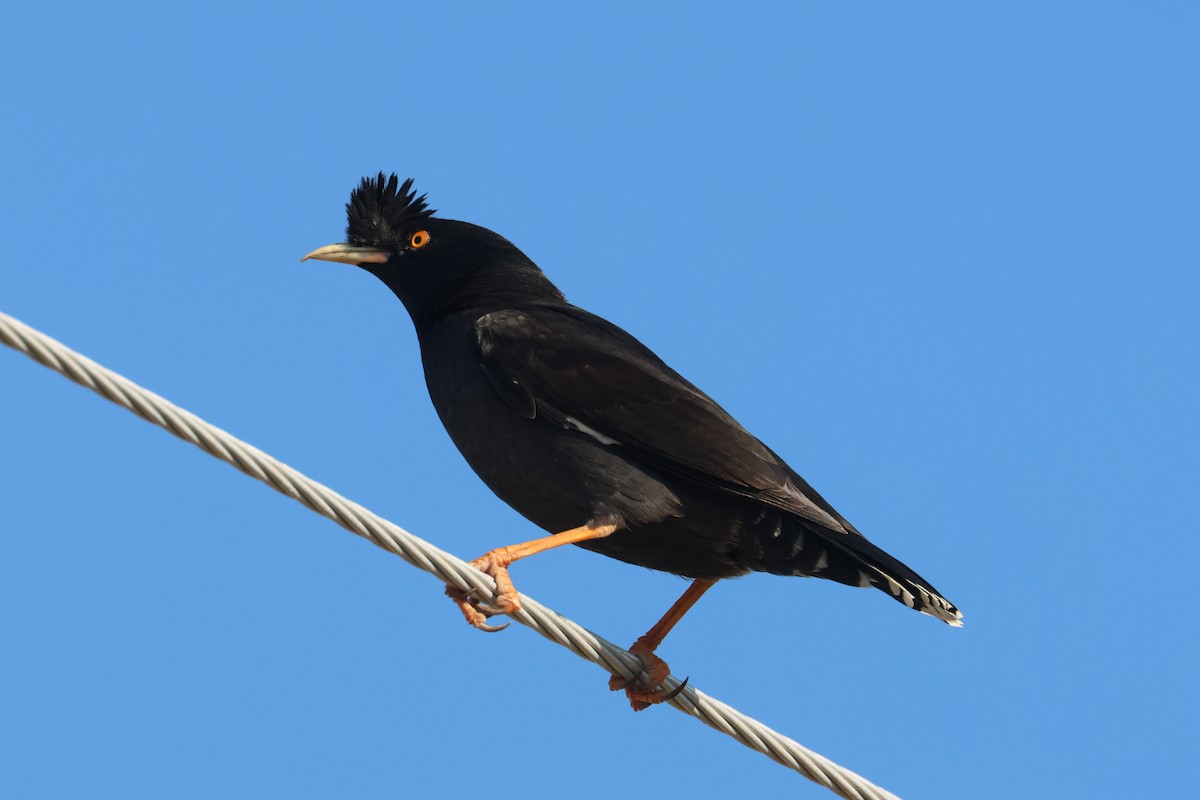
526 471
691 546
558 479
525 462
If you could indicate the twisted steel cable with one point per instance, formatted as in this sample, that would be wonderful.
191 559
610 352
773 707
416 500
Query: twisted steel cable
422 554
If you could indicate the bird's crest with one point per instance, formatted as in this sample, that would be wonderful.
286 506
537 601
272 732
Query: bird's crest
380 208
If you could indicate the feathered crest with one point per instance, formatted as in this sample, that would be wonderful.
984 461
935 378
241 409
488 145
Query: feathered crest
380 208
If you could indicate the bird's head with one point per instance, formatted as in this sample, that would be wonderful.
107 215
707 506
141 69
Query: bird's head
434 266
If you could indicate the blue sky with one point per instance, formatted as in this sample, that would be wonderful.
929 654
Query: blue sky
942 259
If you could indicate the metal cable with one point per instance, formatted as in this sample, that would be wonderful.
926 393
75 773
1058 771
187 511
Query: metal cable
421 554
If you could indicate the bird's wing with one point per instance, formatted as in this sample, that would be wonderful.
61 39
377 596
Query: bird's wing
579 371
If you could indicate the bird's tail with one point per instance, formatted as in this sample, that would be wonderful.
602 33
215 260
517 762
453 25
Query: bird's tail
783 544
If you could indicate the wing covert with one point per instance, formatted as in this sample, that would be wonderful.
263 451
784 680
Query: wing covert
579 371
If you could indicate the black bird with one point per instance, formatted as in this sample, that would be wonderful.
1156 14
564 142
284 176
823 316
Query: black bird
588 434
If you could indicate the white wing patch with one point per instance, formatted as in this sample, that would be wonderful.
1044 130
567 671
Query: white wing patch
575 424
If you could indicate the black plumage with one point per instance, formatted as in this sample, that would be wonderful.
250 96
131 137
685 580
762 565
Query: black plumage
580 427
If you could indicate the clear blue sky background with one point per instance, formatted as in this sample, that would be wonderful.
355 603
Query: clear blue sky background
942 259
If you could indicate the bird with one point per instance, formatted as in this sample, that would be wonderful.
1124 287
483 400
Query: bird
590 436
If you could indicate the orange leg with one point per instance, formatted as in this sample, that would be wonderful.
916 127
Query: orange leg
643 695
496 563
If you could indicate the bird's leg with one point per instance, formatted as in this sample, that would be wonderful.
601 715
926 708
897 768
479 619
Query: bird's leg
496 563
643 695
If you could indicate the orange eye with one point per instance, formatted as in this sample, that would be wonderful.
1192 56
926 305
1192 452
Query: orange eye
419 240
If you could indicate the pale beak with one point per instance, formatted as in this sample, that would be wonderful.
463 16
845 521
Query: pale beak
349 254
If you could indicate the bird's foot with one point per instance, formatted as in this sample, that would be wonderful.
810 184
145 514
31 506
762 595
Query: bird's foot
475 612
506 601
643 695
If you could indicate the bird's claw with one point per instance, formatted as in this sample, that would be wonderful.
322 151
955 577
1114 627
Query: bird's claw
491 628
640 698
477 611
671 695
641 694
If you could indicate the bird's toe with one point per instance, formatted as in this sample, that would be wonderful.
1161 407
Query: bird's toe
504 604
